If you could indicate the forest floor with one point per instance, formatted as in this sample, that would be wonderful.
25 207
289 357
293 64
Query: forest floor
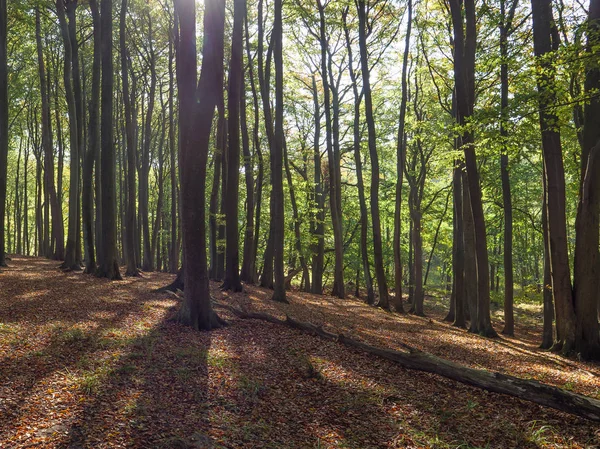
88 363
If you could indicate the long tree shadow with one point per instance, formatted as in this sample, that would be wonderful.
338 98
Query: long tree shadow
319 392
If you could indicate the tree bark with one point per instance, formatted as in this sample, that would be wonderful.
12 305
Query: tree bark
587 258
372 139
234 98
109 266
555 177
197 106
3 125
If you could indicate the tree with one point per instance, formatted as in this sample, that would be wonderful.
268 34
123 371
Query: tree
130 219
587 258
109 266
197 104
372 138
234 98
71 262
544 44
277 216
57 222
464 75
3 126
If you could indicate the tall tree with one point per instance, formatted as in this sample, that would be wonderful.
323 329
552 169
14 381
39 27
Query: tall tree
587 258
363 30
109 266
71 261
277 213
400 163
544 44
57 222
130 219
465 40
234 97
3 126
197 102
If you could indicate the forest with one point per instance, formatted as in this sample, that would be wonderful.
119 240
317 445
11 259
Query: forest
300 223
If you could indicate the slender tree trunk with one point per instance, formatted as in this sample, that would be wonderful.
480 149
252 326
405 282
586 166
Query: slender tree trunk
318 227
400 163
173 148
548 332
57 223
459 259
3 125
71 261
277 212
375 218
364 217
234 98
148 259
130 221
214 195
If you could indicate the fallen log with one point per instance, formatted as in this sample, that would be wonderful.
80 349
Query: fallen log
529 390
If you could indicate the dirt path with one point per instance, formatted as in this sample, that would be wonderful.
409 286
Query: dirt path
87 363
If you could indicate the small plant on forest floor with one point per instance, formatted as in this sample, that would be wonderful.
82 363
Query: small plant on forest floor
251 389
543 435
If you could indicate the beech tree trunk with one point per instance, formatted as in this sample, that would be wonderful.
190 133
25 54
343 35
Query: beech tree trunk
71 261
555 177
372 138
400 163
3 125
464 74
587 258
197 102
58 232
234 97
364 218
109 266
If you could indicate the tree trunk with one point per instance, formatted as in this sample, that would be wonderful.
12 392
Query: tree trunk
587 257
109 266
130 203
400 163
375 218
71 261
464 73
277 212
197 105
234 98
148 259
318 226
3 125
364 218
555 178
57 222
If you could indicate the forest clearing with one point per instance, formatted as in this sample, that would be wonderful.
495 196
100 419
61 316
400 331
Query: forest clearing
87 362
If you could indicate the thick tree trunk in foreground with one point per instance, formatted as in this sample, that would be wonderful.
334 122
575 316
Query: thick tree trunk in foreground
196 110
587 258
529 390
109 266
